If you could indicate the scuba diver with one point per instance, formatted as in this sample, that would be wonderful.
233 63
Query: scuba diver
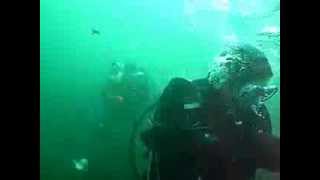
126 94
126 86
217 127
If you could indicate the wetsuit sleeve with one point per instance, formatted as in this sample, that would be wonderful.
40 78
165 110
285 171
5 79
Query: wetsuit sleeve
267 146
268 152
147 137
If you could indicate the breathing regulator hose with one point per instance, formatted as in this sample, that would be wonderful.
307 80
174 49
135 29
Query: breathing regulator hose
132 142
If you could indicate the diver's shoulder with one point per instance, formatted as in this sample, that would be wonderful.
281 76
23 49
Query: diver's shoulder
202 85
202 82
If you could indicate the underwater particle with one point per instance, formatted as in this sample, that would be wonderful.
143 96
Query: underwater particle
80 164
95 32
101 125
206 135
119 99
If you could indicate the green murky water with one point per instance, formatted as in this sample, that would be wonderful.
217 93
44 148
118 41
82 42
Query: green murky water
166 37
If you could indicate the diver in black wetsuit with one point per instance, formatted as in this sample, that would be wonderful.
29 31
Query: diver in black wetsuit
127 90
126 94
216 128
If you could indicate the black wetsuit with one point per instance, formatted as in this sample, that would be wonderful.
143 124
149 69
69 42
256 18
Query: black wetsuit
237 143
245 140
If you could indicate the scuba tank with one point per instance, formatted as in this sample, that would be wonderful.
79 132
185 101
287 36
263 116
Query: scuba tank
175 116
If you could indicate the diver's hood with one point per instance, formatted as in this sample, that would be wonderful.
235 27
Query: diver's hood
241 63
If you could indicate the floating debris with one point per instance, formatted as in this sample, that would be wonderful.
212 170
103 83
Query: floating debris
95 32
81 164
